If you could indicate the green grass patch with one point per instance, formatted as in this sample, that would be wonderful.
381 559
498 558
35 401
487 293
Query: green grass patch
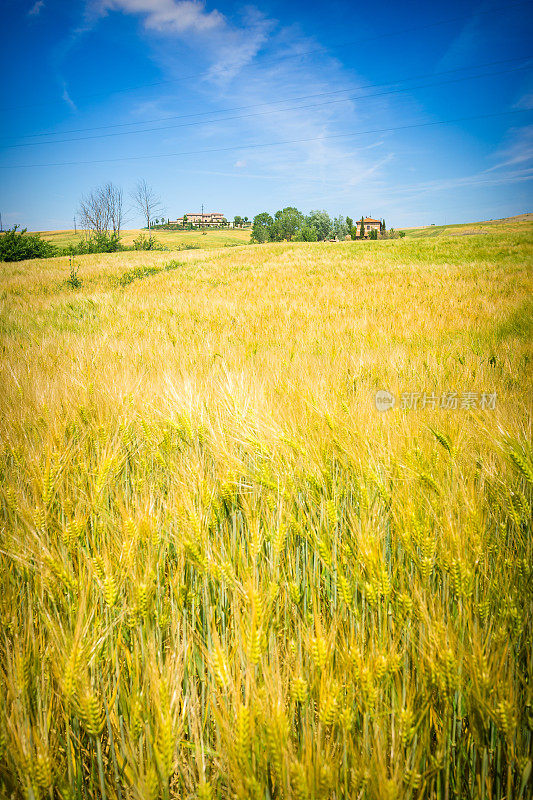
138 273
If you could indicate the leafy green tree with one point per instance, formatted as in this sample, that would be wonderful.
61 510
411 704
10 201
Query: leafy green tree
339 227
349 224
373 234
321 222
276 233
353 232
306 234
237 221
261 227
290 221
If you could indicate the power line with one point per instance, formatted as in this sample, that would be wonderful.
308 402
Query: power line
339 45
263 113
287 100
266 144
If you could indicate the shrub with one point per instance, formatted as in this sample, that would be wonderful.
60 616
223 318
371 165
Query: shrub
97 243
373 234
73 281
18 245
143 242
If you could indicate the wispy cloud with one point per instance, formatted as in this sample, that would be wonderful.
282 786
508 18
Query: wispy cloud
463 46
240 70
525 98
235 46
36 8
526 101
449 184
167 16
68 99
518 150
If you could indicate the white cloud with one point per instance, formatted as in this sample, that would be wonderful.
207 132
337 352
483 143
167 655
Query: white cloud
344 168
518 151
230 47
167 16
526 101
465 181
241 72
236 46
68 99
251 59
463 47
36 8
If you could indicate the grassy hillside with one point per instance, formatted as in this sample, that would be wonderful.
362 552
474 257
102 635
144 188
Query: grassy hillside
171 239
224 572
494 226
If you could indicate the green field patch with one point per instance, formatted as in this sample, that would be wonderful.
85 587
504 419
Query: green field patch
518 325
138 273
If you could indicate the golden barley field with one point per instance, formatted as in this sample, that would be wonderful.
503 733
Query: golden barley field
172 239
224 572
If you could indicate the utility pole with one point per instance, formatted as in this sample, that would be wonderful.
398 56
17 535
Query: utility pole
75 225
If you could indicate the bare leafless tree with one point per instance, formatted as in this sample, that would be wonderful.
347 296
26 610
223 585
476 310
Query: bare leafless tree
146 201
112 197
93 212
101 211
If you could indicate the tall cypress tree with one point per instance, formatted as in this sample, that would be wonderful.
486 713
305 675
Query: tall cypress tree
362 229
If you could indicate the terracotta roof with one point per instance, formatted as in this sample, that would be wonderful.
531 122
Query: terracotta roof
369 219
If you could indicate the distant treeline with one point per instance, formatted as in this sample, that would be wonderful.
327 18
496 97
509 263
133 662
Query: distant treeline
292 225
161 225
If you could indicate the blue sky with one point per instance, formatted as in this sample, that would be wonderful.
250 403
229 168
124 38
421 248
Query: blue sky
247 107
